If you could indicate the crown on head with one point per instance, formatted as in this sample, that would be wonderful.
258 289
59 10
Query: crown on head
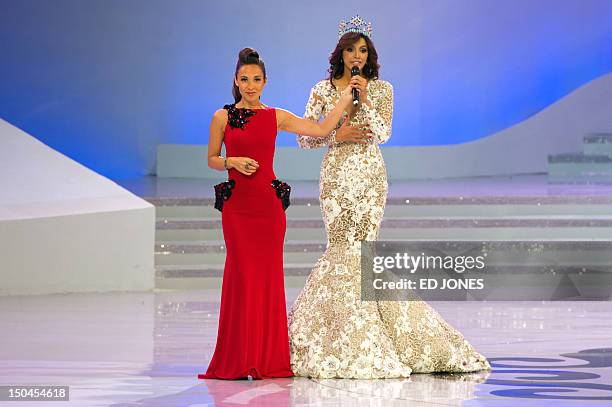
355 25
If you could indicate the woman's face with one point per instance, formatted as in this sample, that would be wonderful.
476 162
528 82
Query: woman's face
355 55
250 81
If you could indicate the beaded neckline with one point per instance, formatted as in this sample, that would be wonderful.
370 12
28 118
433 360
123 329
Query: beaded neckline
237 117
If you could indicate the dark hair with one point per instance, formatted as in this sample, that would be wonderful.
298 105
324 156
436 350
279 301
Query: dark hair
247 56
336 68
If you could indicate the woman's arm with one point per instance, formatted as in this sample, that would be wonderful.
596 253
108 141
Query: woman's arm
379 113
345 133
215 140
287 121
313 111
245 165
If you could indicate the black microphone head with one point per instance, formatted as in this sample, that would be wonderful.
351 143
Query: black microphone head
355 71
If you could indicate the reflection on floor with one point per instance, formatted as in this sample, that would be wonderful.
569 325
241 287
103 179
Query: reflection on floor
146 349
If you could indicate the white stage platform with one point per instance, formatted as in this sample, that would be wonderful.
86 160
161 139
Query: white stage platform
64 228
146 349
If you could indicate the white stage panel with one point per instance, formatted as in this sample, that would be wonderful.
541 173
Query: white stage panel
65 228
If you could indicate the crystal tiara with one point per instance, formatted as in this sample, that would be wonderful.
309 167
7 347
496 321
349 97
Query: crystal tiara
355 25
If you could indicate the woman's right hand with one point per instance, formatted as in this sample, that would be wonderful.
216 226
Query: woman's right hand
353 134
346 96
243 165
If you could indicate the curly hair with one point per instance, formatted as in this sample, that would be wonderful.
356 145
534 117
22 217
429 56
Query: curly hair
336 68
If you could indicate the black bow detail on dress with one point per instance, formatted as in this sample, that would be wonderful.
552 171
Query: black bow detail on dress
222 193
283 190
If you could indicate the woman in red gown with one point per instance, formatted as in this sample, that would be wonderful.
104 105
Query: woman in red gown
252 341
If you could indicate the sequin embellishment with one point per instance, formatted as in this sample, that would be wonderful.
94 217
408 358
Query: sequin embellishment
283 192
223 191
237 117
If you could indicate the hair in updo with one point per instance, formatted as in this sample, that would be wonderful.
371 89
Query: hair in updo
247 56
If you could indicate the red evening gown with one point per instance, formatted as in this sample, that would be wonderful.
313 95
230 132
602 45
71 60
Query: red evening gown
252 339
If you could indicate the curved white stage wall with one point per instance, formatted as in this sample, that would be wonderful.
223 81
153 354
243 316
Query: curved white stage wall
64 228
520 149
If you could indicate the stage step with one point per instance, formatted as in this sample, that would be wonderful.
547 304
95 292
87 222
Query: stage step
598 144
502 227
199 276
410 222
219 246
190 252
580 164
297 254
593 164
176 259
584 255
428 207
216 270
498 233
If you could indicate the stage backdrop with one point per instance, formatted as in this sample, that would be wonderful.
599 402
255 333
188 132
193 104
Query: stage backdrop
106 81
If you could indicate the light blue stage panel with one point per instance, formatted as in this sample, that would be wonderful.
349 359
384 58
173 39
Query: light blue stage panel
184 161
89 77
190 161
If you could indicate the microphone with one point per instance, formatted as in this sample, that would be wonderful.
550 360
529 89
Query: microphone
354 72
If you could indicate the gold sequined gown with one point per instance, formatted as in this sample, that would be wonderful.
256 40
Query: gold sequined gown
333 334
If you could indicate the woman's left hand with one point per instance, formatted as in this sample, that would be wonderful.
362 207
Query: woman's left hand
361 84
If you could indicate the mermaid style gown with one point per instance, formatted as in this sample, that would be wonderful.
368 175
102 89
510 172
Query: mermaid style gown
333 334
252 337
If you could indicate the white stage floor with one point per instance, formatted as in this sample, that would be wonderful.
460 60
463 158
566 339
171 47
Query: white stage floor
146 349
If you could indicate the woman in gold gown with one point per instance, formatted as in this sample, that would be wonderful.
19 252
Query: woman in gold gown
333 334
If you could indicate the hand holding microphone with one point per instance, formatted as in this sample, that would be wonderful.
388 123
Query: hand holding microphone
355 72
359 85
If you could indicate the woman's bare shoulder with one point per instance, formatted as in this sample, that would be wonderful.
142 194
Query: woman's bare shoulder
220 117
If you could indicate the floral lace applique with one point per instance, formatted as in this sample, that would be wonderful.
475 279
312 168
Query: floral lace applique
283 192
237 117
323 98
223 191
